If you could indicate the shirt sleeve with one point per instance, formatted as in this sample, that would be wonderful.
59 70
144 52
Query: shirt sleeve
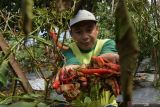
109 47
70 58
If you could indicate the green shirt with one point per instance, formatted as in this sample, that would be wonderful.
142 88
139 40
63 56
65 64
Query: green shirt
108 47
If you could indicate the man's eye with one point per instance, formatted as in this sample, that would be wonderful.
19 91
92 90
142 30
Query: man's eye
77 31
88 30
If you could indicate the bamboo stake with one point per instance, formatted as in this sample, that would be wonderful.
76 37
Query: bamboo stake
15 66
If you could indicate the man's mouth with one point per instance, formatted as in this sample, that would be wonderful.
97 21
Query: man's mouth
86 43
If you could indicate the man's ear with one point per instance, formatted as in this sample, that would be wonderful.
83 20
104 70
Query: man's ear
70 32
97 29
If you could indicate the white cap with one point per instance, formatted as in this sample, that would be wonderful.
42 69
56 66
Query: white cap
81 16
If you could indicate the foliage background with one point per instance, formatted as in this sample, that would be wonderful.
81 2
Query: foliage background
42 54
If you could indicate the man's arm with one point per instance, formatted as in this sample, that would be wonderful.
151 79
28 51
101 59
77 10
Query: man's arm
109 51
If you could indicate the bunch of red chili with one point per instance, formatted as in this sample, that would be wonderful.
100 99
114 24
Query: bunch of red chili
97 66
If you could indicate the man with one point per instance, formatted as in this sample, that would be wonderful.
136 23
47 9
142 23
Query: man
84 31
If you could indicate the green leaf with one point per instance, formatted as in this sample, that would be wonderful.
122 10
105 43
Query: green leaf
32 96
23 104
42 40
3 80
87 100
42 105
3 105
3 72
6 101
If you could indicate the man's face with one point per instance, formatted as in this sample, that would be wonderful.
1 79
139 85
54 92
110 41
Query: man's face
85 34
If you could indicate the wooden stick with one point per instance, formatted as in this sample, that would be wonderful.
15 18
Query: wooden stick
15 66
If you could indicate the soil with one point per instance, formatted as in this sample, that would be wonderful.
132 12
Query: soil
145 94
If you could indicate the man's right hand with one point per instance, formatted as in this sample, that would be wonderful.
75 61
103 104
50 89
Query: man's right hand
69 80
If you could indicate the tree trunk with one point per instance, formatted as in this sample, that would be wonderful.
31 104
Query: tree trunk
128 50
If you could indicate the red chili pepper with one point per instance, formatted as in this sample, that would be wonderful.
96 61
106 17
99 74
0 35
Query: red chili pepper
53 35
117 89
62 73
56 84
55 39
98 71
98 60
113 66
67 80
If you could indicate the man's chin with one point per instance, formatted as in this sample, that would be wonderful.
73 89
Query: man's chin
86 48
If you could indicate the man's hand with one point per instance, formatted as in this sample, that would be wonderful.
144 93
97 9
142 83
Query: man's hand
70 91
112 57
71 67
66 85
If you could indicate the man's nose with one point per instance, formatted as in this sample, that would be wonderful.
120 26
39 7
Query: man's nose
85 35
